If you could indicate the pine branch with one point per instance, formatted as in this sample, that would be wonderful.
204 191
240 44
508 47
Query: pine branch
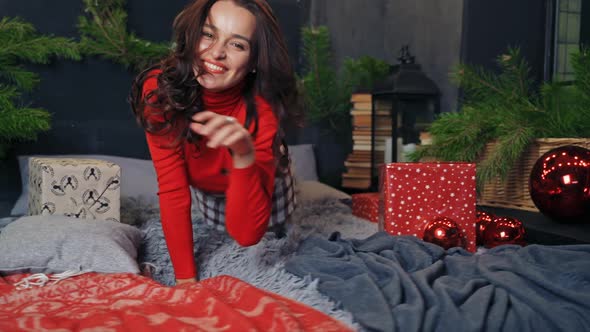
364 72
20 42
14 28
326 90
515 73
503 108
457 137
7 96
104 33
556 97
23 123
19 76
320 79
581 64
40 49
142 52
477 84
19 123
504 155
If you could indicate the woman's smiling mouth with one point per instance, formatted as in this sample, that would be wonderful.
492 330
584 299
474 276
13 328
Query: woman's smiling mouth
213 68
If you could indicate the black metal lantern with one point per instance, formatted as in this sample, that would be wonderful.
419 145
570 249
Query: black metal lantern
414 100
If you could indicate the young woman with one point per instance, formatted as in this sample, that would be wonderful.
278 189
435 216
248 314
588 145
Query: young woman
212 111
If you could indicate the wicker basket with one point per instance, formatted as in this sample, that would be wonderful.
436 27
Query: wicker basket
514 192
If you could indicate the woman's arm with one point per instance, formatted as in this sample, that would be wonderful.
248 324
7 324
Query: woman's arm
250 190
174 196
249 194
251 180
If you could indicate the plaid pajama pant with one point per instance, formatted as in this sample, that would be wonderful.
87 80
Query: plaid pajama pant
283 203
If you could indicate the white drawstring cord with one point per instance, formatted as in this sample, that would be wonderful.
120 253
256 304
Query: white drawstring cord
41 279
38 279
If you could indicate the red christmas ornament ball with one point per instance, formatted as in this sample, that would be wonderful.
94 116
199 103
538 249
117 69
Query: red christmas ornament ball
482 218
560 184
503 230
444 232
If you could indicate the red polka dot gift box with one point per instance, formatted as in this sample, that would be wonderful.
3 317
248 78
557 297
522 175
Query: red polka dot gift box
415 194
366 206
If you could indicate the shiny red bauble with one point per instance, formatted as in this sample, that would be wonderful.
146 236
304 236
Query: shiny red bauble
560 184
444 232
503 230
482 218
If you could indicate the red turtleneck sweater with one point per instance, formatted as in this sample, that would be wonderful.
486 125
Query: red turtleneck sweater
248 190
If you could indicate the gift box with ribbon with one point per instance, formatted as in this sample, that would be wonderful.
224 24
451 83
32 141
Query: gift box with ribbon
81 188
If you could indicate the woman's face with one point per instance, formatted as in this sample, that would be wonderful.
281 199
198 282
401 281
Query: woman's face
225 45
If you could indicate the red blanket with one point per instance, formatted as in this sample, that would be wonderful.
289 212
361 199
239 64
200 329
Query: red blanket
128 302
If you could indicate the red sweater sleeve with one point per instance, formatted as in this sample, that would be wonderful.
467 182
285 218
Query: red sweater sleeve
249 194
174 194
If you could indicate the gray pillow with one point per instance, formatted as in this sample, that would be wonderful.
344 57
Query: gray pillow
303 162
310 191
54 244
138 178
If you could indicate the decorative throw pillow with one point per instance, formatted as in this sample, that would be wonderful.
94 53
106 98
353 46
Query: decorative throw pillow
54 244
303 162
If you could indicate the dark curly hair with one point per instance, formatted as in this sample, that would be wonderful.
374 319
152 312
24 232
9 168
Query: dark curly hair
178 95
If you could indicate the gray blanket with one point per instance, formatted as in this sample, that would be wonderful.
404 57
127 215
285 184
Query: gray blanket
261 265
403 284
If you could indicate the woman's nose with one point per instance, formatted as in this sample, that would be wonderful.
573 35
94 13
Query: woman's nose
218 50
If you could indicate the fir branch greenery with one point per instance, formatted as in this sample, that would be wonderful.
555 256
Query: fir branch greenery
104 33
505 109
20 42
326 90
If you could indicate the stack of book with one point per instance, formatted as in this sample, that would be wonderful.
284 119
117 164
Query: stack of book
358 163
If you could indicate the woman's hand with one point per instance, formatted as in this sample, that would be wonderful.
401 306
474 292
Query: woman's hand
185 281
225 131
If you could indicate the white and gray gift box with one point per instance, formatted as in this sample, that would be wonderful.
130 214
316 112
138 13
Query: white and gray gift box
81 188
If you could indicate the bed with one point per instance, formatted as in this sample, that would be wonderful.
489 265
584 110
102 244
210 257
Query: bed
133 253
331 272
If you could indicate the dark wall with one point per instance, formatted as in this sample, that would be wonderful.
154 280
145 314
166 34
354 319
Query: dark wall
87 99
492 26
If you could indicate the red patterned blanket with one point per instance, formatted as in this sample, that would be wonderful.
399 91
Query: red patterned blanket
128 302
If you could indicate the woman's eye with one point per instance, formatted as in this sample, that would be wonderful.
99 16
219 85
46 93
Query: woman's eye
238 46
207 35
